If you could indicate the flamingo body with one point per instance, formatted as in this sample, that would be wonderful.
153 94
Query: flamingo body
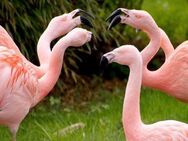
134 128
174 73
168 130
18 88
6 40
16 73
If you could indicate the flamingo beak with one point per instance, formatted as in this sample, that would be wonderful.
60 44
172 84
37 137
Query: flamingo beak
83 19
86 13
105 60
114 22
114 14
103 64
115 17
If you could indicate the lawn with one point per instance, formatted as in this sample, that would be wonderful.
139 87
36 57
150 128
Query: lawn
100 119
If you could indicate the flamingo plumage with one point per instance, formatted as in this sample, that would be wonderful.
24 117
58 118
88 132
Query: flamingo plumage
134 128
6 40
172 76
21 87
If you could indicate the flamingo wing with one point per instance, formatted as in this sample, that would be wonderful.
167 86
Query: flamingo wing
7 41
16 76
174 73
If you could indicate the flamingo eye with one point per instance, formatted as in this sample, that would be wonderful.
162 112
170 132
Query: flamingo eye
127 16
138 16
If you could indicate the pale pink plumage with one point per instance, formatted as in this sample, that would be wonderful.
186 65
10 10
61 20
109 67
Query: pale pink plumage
134 128
21 88
7 41
172 76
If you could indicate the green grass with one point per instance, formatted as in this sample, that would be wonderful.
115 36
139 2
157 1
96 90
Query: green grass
102 118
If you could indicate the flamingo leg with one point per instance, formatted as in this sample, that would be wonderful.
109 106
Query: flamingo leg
13 112
12 127
13 131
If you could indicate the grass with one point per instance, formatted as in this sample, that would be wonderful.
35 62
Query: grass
101 117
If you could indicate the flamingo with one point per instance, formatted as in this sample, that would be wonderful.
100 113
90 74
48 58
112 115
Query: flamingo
172 76
134 128
68 21
21 89
165 43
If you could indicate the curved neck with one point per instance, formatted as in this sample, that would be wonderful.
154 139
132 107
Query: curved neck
152 48
49 79
44 50
131 106
166 45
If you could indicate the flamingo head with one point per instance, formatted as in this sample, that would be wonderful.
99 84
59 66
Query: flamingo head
124 55
62 24
138 19
78 37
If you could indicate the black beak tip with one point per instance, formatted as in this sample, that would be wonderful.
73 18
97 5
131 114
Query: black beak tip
103 64
110 27
86 13
86 22
114 14
114 22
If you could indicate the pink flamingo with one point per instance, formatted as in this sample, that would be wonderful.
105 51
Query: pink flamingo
68 21
172 76
165 43
134 128
21 89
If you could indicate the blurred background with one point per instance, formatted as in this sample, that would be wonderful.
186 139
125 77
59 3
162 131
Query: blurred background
81 87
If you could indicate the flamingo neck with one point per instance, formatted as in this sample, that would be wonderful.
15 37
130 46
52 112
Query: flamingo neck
131 107
44 50
148 53
166 44
152 48
49 79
